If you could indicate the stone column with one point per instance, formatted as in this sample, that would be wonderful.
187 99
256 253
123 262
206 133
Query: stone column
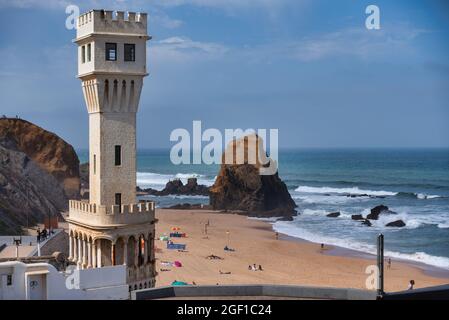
89 254
79 259
136 251
84 261
112 253
125 252
70 247
75 250
99 254
94 254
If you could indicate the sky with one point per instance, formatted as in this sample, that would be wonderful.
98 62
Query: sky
309 68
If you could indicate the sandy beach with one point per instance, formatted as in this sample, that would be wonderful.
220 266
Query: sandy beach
284 261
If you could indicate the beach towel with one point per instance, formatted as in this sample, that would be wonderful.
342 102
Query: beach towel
178 264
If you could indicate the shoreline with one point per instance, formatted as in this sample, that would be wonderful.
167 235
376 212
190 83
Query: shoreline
287 260
333 250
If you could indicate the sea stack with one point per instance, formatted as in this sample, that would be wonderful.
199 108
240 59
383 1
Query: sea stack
241 187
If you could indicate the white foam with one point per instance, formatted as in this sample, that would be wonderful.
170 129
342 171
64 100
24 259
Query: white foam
289 228
353 190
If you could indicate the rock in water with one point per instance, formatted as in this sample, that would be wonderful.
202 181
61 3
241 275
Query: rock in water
366 222
176 187
357 217
36 175
376 211
333 215
240 187
397 224
46 149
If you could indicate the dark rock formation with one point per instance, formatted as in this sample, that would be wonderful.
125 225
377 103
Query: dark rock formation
376 211
397 224
38 174
366 222
241 187
333 215
176 187
357 217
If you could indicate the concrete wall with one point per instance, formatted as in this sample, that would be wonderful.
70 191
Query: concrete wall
254 290
431 293
104 283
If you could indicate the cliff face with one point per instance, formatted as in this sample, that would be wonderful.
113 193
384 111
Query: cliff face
241 187
47 150
38 174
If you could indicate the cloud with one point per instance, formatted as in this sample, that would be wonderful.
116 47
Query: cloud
165 21
180 49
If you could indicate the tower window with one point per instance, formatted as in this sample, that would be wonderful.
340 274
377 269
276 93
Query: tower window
118 199
111 51
95 163
83 54
9 280
89 54
130 52
118 155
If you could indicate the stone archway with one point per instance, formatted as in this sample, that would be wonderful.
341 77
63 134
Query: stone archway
119 251
106 251
131 251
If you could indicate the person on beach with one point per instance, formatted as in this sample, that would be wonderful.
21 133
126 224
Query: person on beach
322 246
389 263
260 268
38 235
277 235
254 267
250 268
411 285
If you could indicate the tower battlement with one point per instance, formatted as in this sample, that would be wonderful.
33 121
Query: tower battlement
107 21
84 212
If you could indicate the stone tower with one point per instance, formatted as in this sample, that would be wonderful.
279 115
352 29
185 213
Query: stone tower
112 228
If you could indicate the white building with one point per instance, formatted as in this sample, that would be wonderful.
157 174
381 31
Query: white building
41 281
112 228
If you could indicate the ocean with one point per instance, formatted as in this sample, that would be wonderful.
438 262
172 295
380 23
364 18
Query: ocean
412 182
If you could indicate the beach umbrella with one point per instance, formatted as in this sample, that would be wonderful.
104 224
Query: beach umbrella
175 229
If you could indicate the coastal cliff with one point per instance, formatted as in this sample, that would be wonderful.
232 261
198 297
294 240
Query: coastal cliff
240 187
39 172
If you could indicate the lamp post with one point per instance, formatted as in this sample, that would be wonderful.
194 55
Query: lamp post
380 264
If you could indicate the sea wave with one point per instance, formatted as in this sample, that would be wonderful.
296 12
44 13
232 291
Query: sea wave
292 229
352 190
356 191
158 180
412 221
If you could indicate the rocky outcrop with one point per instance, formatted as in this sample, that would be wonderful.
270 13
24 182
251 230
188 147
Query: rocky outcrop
357 217
176 187
38 173
333 215
366 222
46 149
240 187
396 224
376 211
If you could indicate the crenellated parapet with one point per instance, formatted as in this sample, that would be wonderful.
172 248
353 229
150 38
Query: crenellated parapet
106 216
107 21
